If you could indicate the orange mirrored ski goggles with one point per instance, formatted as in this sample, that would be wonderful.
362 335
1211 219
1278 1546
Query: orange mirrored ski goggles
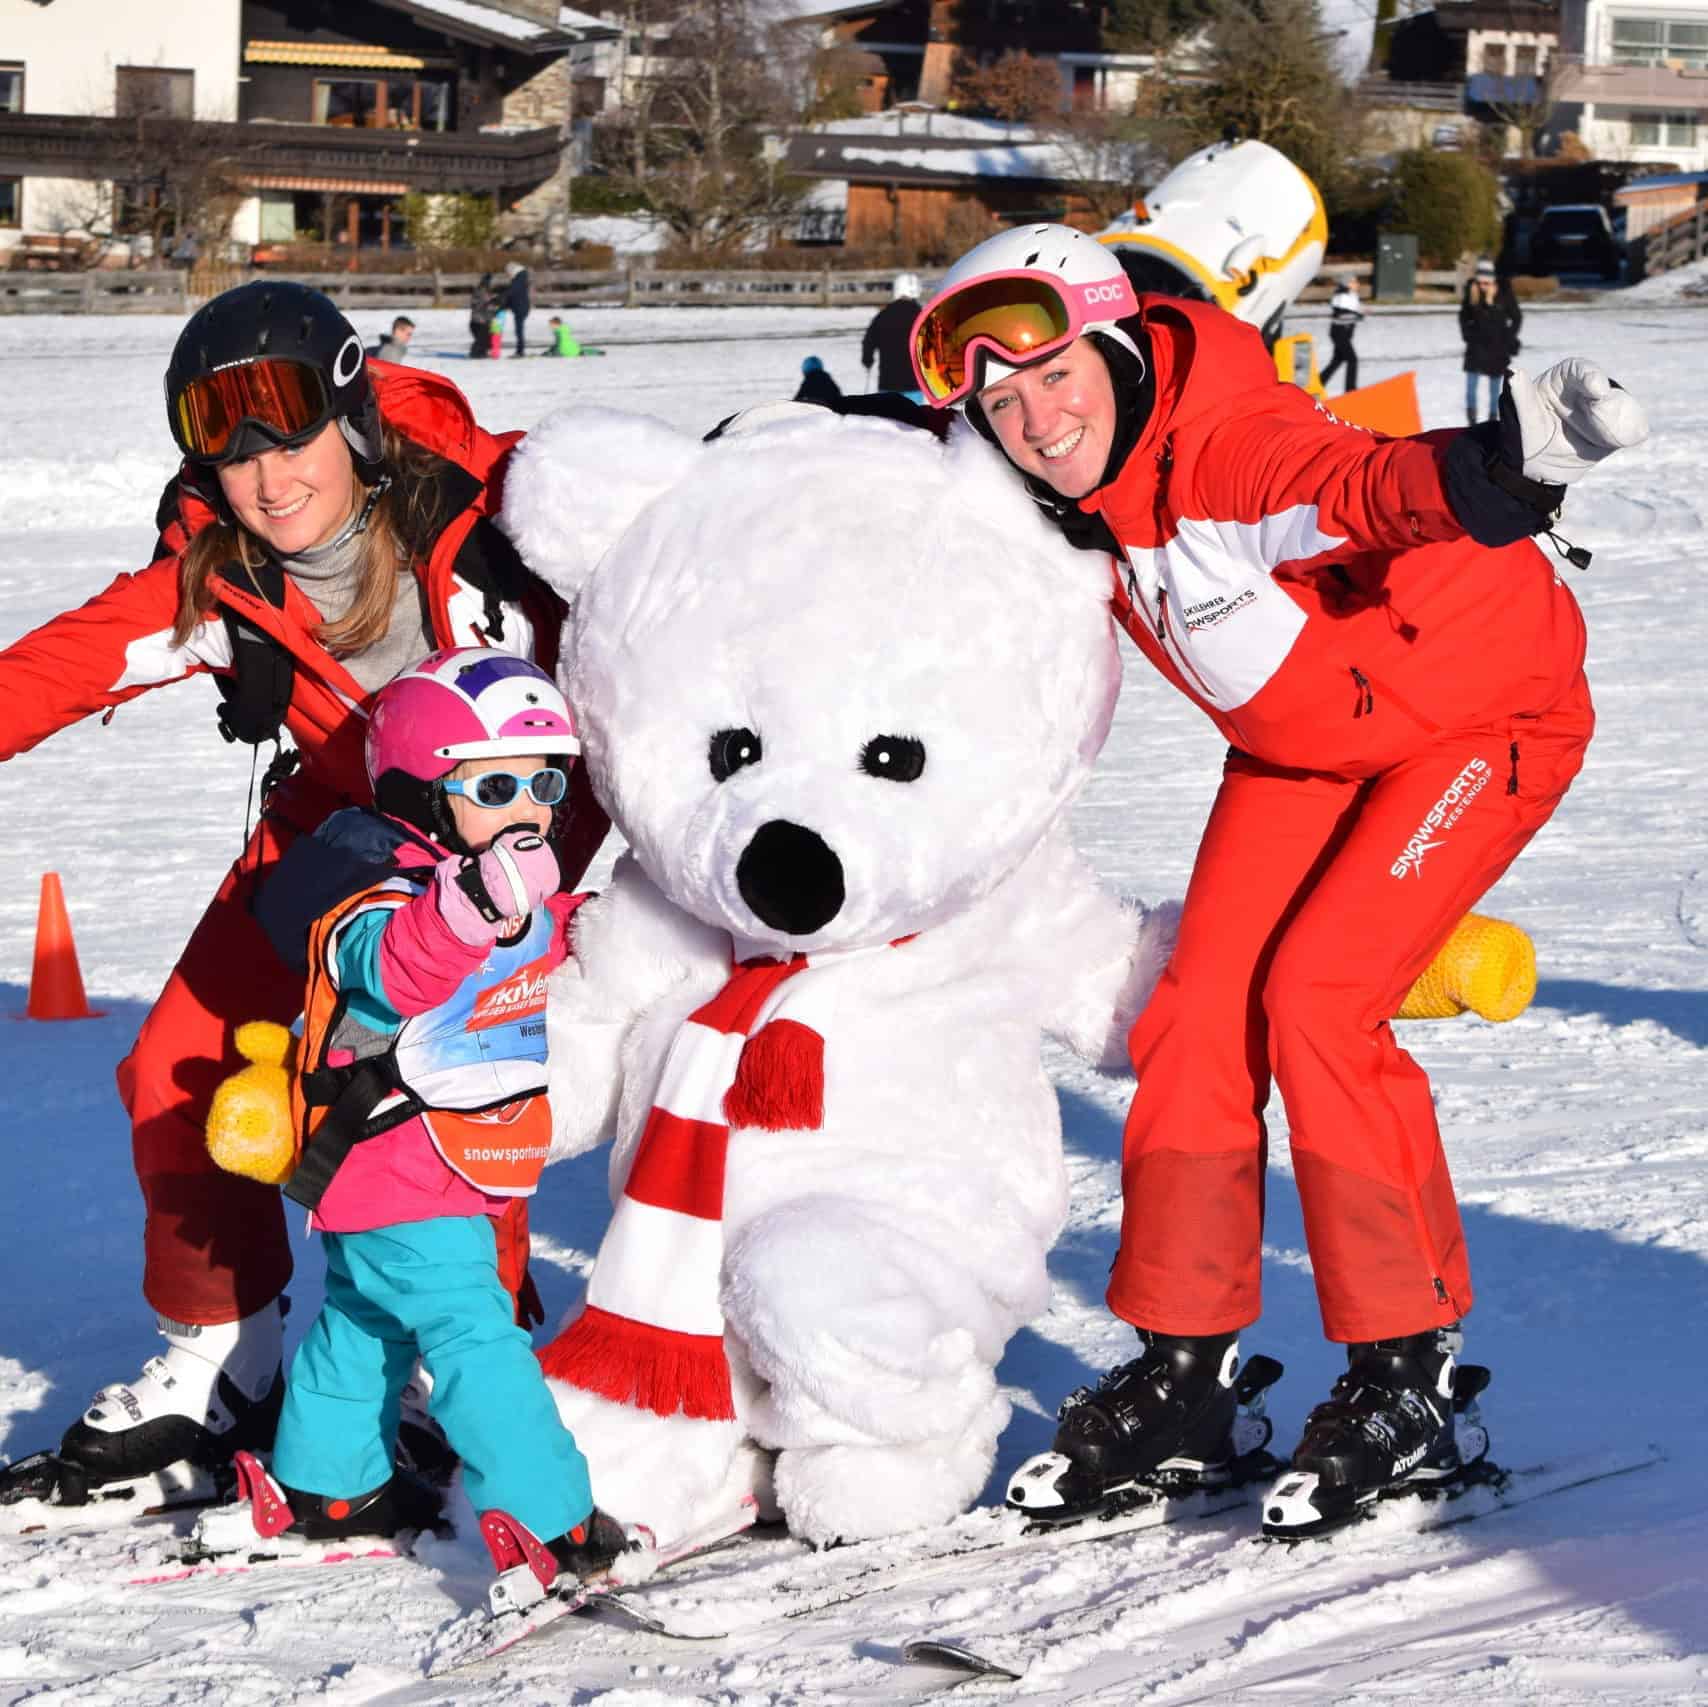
1017 316
287 400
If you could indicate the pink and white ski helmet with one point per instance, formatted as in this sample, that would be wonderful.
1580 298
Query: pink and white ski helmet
468 703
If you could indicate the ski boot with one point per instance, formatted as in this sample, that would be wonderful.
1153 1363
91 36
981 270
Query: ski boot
1183 1417
422 1447
269 1520
1402 1420
164 1439
530 1569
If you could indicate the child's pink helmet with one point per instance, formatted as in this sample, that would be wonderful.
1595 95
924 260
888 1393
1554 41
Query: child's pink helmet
470 703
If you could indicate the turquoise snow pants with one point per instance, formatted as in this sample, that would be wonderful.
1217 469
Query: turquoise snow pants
429 1288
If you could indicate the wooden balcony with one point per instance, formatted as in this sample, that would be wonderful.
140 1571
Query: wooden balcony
54 145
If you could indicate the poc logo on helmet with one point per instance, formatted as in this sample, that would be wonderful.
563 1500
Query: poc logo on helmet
1103 293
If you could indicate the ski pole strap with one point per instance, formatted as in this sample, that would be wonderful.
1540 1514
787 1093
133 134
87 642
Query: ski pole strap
353 1094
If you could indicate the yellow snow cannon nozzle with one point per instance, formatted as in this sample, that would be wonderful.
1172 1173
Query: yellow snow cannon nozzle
1487 967
249 1129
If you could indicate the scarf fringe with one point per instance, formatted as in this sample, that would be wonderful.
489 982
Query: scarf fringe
634 1363
779 1083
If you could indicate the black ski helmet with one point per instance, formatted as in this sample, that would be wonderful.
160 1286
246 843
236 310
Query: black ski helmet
279 318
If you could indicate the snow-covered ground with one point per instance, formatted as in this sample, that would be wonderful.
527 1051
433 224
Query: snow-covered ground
1578 1136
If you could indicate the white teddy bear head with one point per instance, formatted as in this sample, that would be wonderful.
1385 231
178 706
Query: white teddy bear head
835 679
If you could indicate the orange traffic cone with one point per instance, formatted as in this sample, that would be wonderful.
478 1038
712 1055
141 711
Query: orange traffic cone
56 985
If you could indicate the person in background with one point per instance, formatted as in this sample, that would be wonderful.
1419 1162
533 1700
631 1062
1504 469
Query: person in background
499 317
1345 312
518 298
816 385
563 340
886 340
394 346
1489 319
482 302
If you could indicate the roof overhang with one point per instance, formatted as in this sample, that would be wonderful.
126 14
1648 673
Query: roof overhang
494 26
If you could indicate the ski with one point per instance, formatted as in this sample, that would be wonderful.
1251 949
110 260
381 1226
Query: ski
955 1656
269 1556
44 1495
485 1635
1481 1490
798 1582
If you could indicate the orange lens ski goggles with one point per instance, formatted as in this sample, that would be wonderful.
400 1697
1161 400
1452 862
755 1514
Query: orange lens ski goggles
287 399
1017 316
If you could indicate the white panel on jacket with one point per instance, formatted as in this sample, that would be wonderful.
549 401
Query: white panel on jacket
1209 595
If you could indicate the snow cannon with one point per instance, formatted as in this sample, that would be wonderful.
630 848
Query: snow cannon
249 1129
1237 223
1486 967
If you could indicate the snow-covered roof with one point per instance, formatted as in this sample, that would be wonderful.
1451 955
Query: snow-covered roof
939 148
1660 181
497 26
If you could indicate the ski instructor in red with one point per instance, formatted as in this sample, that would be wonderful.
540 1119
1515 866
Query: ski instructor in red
328 527
1398 671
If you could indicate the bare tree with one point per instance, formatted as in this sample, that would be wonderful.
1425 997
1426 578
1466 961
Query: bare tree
1527 100
720 80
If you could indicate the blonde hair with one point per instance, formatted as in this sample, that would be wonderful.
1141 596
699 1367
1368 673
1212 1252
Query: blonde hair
405 518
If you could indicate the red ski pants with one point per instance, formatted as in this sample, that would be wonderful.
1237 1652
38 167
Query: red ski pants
214 1244
1314 904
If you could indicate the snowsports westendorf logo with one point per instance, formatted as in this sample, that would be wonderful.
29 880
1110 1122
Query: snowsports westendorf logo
1441 817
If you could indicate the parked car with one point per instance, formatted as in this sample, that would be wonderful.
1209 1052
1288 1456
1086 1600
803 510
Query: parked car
1575 237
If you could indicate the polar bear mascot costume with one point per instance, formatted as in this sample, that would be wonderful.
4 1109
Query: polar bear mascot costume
837 685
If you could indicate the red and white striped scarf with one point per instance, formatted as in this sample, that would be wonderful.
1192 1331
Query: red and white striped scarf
651 1333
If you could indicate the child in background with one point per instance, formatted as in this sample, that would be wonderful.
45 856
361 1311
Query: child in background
500 319
563 340
423 1048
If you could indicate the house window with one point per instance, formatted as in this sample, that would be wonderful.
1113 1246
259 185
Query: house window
149 92
1494 58
1660 41
349 102
1524 61
1653 129
398 103
11 203
11 88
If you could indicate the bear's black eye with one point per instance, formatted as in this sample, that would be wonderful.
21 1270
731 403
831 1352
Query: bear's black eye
898 757
730 750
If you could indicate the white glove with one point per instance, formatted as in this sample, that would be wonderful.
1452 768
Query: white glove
1571 418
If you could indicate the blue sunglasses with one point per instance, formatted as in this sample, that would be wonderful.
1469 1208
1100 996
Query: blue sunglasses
499 788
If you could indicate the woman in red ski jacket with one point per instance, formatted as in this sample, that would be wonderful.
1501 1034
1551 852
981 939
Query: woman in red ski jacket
1398 671
329 527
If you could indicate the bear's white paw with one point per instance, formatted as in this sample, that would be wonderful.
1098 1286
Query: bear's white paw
855 1493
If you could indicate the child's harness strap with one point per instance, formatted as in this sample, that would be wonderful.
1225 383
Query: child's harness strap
353 1093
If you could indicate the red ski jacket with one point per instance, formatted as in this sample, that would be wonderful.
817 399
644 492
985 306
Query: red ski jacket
119 644
1307 582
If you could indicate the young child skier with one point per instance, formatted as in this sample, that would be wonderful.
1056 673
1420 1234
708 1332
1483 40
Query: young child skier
434 921
500 319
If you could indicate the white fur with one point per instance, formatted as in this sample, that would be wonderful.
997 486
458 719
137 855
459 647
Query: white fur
823 582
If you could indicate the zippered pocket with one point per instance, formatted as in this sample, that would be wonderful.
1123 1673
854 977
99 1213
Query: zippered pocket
1372 692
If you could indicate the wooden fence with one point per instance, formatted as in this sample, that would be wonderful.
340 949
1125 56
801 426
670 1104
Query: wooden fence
101 292
1675 244
116 291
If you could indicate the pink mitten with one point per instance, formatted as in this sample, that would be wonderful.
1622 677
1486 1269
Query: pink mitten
481 896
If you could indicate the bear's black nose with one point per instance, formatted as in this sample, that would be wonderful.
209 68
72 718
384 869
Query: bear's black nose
790 878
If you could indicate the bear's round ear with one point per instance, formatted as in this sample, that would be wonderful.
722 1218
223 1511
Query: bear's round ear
578 480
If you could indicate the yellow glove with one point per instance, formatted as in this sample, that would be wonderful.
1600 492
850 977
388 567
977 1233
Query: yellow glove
250 1131
1486 965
